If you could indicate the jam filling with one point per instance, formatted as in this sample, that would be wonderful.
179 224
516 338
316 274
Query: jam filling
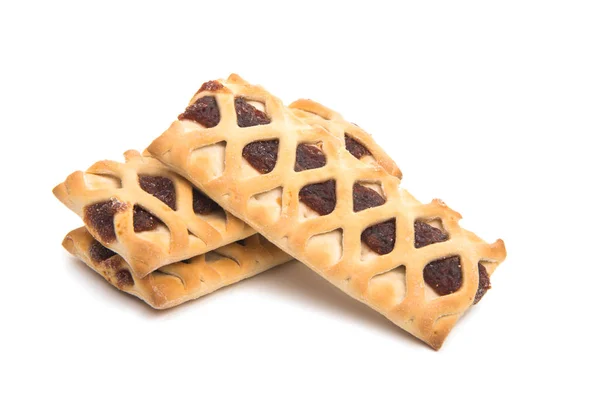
204 111
356 148
309 157
100 216
444 275
381 237
203 204
484 283
111 264
98 252
426 234
364 197
124 278
210 86
262 155
320 197
248 115
160 187
143 220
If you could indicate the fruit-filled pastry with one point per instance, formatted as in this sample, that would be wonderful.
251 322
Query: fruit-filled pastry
147 213
152 217
305 190
176 283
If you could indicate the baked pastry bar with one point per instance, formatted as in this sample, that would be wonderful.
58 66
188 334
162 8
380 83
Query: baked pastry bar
146 213
299 187
178 282
156 221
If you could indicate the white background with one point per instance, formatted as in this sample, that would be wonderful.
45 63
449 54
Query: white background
492 106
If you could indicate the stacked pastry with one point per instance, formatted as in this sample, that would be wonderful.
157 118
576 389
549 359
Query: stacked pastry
239 183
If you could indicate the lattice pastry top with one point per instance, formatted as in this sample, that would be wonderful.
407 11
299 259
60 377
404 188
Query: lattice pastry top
298 186
147 213
357 141
178 282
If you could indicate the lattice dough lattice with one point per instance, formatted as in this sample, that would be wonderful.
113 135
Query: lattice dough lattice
178 282
315 114
386 270
147 250
109 195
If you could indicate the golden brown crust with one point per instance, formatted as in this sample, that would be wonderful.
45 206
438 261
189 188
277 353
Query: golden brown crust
148 251
180 282
315 114
184 234
331 245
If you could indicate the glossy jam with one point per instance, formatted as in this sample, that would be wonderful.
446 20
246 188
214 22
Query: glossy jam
100 217
381 238
309 157
248 115
160 187
320 197
355 147
143 220
364 198
262 155
210 86
444 275
484 283
204 111
202 204
426 234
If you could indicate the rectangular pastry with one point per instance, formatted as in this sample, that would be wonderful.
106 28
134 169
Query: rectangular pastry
153 217
303 189
173 284
146 213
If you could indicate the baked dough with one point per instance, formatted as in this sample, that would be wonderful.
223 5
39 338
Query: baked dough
315 114
182 233
179 282
330 244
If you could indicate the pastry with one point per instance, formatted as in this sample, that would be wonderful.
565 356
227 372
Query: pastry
155 220
178 282
348 220
146 213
